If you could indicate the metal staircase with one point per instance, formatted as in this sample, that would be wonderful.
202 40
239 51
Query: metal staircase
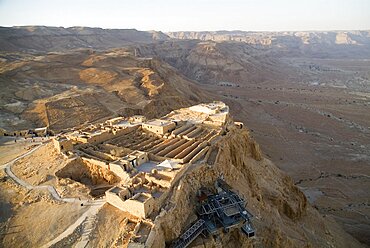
190 234
224 210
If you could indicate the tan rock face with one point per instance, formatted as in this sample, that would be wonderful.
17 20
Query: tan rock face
256 151
89 175
279 207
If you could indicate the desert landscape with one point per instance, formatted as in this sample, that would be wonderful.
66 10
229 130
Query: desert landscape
294 145
308 113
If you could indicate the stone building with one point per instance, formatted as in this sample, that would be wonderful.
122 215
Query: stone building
140 204
137 119
159 126
63 144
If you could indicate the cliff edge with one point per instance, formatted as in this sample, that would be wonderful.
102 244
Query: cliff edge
283 217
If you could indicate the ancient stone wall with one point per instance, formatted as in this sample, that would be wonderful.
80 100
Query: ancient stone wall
132 205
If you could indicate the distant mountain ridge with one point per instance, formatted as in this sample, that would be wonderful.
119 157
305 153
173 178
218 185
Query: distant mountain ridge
274 38
41 38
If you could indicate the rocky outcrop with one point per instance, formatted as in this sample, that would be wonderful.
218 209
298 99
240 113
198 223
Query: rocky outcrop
283 218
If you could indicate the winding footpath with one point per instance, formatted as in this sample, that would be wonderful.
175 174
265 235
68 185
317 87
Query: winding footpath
89 215
86 218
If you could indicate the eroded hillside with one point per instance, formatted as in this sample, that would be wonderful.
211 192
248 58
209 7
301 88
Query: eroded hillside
308 43
62 90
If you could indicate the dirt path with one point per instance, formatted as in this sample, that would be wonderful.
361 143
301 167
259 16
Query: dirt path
89 215
22 156
28 186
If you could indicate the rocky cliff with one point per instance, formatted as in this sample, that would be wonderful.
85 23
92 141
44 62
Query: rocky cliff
283 218
274 38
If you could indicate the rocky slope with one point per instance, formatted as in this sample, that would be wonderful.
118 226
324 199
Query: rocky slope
213 62
62 90
283 217
246 57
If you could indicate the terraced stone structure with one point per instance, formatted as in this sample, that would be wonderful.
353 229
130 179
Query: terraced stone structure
151 156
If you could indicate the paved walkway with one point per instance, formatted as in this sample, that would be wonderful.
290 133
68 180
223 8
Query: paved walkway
89 215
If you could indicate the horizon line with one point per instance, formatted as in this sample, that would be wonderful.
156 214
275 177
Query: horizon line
218 30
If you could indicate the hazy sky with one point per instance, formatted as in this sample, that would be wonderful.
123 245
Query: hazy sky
174 15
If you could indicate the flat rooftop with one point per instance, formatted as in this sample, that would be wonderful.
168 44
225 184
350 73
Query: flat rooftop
158 122
124 123
150 165
209 108
116 190
137 153
142 197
